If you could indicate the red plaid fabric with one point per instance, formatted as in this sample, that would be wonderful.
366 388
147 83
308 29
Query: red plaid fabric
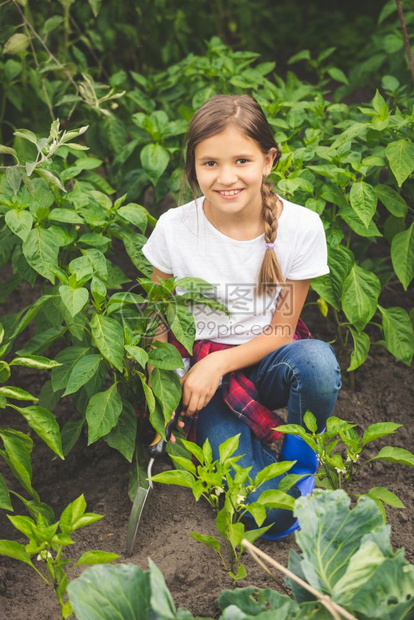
239 393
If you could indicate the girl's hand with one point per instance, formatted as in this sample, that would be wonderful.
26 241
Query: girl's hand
200 383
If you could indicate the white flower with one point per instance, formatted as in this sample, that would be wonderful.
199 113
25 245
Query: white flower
240 499
44 556
218 491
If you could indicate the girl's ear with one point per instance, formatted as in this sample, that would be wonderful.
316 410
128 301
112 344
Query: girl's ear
269 161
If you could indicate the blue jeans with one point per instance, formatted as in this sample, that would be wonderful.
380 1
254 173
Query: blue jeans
301 375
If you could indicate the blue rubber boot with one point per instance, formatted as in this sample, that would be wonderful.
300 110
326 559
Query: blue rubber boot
296 449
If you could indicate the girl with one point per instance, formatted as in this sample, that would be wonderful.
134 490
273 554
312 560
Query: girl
260 254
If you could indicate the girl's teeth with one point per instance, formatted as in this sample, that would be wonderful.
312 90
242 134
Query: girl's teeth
230 193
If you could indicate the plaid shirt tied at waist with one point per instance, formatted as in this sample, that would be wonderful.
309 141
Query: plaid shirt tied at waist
239 393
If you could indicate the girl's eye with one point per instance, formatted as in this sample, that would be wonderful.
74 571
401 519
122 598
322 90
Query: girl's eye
242 160
210 164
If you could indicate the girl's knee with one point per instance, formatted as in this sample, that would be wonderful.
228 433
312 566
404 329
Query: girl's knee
319 366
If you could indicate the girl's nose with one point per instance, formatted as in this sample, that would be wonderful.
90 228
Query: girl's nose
227 176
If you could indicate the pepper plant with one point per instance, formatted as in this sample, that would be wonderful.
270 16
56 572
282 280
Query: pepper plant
226 486
65 238
17 446
341 452
48 539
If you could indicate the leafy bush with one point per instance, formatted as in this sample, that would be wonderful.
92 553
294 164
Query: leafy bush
65 240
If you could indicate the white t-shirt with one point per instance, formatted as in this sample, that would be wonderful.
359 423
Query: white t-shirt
185 244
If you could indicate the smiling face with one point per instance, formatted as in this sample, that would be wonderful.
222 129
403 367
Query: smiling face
230 167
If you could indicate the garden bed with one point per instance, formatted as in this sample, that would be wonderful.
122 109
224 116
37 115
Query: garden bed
383 392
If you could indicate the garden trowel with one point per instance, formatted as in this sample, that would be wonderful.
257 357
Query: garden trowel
156 449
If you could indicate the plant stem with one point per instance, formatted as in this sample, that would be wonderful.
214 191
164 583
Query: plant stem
42 576
326 600
405 37
338 329
52 56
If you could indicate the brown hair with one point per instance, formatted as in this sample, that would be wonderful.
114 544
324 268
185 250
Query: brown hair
246 114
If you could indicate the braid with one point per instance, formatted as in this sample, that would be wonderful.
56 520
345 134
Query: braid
270 273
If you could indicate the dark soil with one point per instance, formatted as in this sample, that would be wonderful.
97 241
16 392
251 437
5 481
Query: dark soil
383 392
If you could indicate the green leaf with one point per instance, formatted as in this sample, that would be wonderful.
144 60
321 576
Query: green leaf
41 251
15 550
310 422
7 150
44 424
329 287
165 356
274 498
109 338
302 55
123 589
123 436
395 455
360 352
5 501
35 361
400 155
102 413
50 177
184 463
135 214
376 579
247 603
175 476
241 573
19 222
210 541
392 200
381 429
14 392
328 543
354 222
360 294
17 449
73 298
149 395
84 369
95 6
272 471
363 201
398 332
194 449
167 389
338 75
257 511
32 312
68 359
402 255
70 434
386 496
228 448
68 216
42 341
182 324
193 285
96 557
154 160
140 355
